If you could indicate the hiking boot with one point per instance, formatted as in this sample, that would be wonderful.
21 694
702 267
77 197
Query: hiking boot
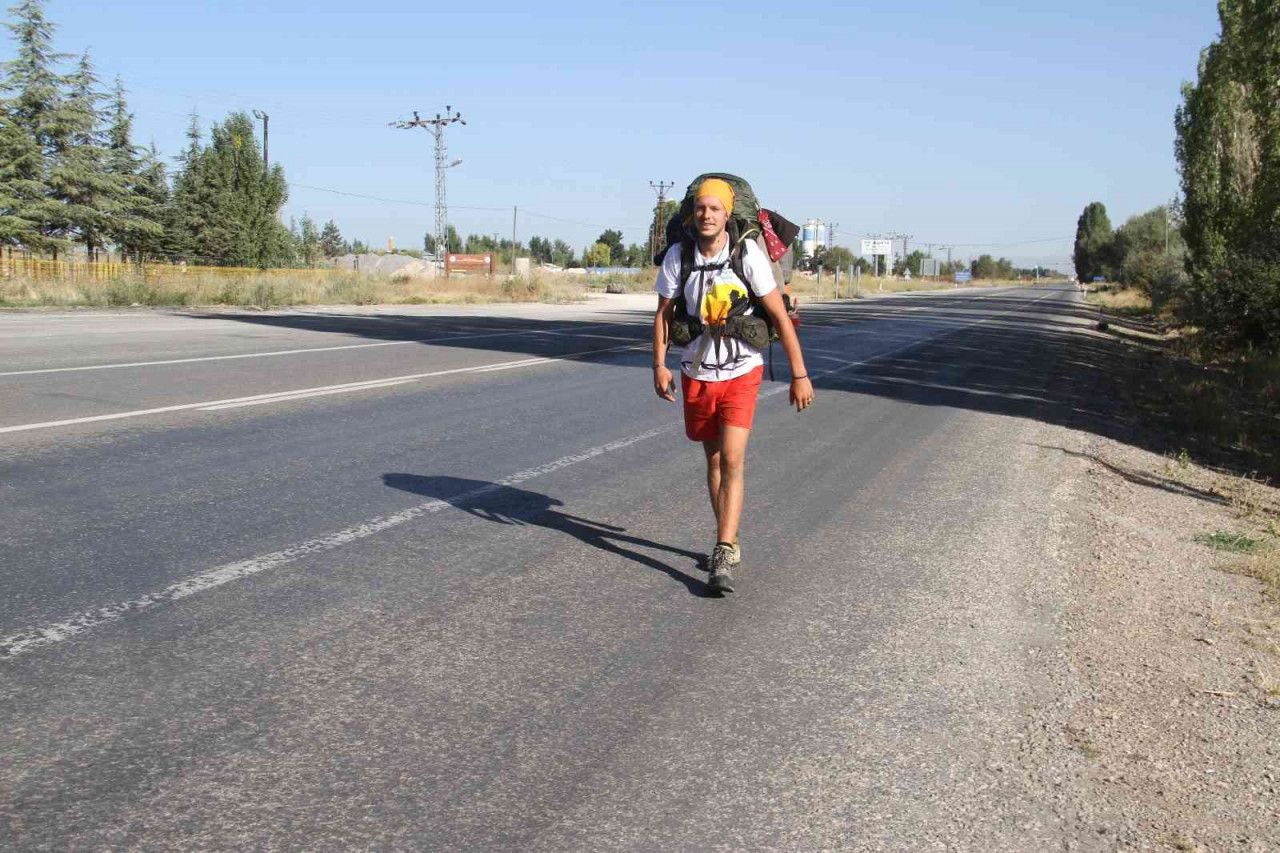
735 558
721 567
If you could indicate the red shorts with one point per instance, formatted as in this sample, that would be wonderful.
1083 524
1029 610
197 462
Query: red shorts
710 405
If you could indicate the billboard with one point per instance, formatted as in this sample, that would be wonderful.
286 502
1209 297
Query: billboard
877 247
930 266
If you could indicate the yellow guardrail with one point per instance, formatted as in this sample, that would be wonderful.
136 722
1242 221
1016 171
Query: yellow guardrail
48 270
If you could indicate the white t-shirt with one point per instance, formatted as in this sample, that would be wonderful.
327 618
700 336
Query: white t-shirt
709 292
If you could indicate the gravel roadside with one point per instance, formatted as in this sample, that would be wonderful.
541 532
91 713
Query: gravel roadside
1167 732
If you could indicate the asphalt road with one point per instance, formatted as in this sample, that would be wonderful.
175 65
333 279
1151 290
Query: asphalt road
424 579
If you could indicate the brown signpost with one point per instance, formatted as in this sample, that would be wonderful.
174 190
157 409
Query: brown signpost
468 264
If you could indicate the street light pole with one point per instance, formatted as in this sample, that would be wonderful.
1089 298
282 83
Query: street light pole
266 156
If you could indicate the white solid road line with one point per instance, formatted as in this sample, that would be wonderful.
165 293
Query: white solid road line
192 360
298 393
567 332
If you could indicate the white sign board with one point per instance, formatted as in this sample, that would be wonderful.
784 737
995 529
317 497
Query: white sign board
877 247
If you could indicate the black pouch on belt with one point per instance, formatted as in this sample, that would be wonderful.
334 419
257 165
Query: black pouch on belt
752 331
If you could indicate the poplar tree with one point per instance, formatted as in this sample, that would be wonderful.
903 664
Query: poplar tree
1228 150
1092 249
309 242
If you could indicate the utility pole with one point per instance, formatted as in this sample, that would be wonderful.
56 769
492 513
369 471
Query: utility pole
515 211
266 157
655 234
436 127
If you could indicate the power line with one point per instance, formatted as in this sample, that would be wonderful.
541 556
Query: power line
392 200
417 203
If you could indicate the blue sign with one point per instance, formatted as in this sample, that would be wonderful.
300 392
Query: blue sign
1099 278
962 276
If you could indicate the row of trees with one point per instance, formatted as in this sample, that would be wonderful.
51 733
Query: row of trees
607 250
1147 252
71 175
1228 151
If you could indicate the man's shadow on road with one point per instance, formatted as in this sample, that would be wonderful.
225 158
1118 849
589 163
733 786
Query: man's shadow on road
508 505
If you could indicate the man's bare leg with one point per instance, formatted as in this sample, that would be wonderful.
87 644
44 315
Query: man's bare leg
732 481
712 451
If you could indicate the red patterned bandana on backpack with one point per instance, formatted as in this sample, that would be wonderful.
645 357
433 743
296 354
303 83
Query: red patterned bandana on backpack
775 246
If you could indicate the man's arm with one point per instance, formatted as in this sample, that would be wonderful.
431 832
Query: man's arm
801 387
662 379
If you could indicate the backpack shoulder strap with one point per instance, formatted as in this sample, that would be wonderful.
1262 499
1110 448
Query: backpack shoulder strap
738 265
686 262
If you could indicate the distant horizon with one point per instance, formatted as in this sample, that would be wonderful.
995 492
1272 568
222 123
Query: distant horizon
989 130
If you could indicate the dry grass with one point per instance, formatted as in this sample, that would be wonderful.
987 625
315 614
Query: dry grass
272 289
803 284
1119 301
1264 566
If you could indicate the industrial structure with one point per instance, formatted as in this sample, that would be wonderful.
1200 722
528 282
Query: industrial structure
813 237
436 126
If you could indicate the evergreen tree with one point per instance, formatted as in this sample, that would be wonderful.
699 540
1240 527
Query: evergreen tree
189 206
225 208
136 229
32 77
429 243
35 110
22 189
155 201
331 242
92 199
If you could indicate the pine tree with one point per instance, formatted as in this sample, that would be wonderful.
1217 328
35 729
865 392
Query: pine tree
331 242
22 190
93 200
188 209
152 188
35 113
135 229
32 75
225 207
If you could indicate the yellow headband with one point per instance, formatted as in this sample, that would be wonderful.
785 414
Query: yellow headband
718 188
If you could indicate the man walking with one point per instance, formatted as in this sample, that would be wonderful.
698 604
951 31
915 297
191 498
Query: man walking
721 374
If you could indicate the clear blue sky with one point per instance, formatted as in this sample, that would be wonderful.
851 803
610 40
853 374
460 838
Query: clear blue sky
965 122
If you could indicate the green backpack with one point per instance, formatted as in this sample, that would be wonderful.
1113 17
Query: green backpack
743 225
